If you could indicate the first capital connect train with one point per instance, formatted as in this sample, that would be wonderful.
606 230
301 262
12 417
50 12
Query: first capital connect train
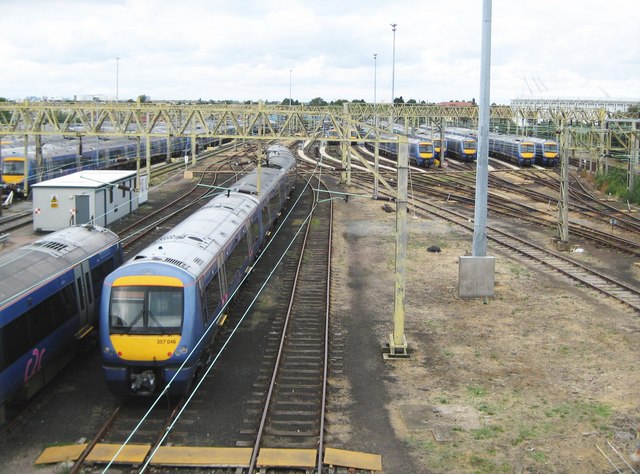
159 310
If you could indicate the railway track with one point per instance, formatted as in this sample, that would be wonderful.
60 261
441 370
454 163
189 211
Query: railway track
295 400
290 391
589 277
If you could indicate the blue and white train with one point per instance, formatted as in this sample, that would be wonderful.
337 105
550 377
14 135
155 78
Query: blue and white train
547 151
49 295
421 152
461 147
516 149
61 157
156 307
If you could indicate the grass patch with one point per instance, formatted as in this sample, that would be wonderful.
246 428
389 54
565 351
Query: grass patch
487 432
594 413
476 390
481 464
518 270
524 433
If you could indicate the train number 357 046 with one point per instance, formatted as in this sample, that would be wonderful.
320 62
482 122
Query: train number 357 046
166 341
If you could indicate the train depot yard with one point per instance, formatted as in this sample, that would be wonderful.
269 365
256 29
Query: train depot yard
541 377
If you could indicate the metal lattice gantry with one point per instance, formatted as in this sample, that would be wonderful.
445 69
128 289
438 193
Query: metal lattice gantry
592 130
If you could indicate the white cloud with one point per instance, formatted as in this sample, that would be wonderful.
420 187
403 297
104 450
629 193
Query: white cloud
245 49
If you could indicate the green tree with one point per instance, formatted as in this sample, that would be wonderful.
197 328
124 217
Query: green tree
318 101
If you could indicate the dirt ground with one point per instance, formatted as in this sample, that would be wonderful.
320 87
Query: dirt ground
538 378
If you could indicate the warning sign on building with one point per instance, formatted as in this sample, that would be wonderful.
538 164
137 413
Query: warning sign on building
54 201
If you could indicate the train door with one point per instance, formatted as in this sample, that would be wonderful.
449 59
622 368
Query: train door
84 293
83 209
143 194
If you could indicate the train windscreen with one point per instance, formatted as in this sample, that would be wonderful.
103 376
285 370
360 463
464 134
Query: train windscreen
146 310
526 148
469 144
426 148
12 167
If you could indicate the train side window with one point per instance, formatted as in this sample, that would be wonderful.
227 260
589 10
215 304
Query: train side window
87 283
99 273
3 365
17 339
65 305
274 205
236 258
80 291
214 296
255 229
41 320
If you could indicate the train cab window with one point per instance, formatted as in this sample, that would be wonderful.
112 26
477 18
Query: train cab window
12 168
526 148
146 309
469 145
426 148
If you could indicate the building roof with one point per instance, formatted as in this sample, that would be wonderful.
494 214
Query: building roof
87 179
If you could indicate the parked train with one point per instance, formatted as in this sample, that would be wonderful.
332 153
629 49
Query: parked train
160 310
421 151
433 135
520 150
49 295
461 147
525 151
61 157
547 151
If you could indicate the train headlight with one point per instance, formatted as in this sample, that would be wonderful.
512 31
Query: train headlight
182 350
107 350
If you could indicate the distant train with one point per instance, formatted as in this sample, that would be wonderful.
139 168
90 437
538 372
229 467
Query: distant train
61 157
520 150
547 151
514 148
461 147
160 310
421 152
49 295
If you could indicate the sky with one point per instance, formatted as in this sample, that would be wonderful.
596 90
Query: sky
263 50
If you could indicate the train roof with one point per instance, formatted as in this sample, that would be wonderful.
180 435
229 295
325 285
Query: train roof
37 262
193 243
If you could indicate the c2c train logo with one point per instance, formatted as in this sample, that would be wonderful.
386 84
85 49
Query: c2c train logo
34 364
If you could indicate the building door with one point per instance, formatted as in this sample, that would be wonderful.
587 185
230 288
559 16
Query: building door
83 209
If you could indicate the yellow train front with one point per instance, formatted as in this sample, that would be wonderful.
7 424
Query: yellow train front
161 309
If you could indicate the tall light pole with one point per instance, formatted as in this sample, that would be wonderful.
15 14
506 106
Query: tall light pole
290 72
375 74
393 65
117 76
376 150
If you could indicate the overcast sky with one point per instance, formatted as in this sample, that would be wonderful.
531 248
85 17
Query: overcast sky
251 50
